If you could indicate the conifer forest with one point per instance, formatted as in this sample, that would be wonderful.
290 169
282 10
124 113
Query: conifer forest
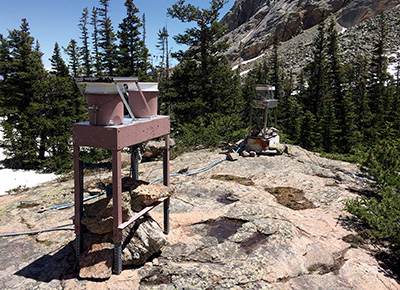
349 111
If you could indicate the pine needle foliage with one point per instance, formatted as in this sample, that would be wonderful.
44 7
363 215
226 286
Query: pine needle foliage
207 98
38 108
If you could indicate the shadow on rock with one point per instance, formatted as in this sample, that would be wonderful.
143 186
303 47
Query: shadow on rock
350 223
390 264
50 267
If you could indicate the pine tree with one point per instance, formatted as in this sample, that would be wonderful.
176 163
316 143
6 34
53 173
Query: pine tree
162 45
84 50
144 28
163 70
293 125
72 51
380 213
58 67
62 106
4 57
290 111
276 73
260 74
359 95
309 132
396 101
107 39
22 95
207 98
317 100
380 100
316 72
343 107
327 121
4 68
95 42
132 51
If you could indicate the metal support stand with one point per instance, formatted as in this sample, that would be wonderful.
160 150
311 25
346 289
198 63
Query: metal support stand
264 100
115 138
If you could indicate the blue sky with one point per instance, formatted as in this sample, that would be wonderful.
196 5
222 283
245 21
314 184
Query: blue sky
53 21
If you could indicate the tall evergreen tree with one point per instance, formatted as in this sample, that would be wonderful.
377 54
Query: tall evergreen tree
84 50
163 69
107 39
162 45
396 101
72 51
338 90
316 72
58 66
132 51
276 73
359 93
39 108
62 105
4 67
4 57
22 91
293 125
310 136
207 97
379 98
144 28
289 109
95 41
316 100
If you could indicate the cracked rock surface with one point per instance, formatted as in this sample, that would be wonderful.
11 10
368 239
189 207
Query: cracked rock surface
224 233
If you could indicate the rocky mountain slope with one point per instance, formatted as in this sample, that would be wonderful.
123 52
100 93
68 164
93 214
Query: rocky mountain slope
268 222
252 24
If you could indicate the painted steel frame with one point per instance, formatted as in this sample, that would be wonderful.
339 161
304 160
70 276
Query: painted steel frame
116 138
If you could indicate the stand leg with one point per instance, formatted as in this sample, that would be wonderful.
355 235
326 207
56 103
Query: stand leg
78 199
265 122
117 208
166 174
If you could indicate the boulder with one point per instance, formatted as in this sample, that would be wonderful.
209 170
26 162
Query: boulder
97 216
141 239
232 156
96 262
136 195
154 149
146 194
280 148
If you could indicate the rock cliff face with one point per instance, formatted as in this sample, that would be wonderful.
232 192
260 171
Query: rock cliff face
252 24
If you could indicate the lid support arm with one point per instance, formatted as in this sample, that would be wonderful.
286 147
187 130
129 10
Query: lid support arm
121 94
